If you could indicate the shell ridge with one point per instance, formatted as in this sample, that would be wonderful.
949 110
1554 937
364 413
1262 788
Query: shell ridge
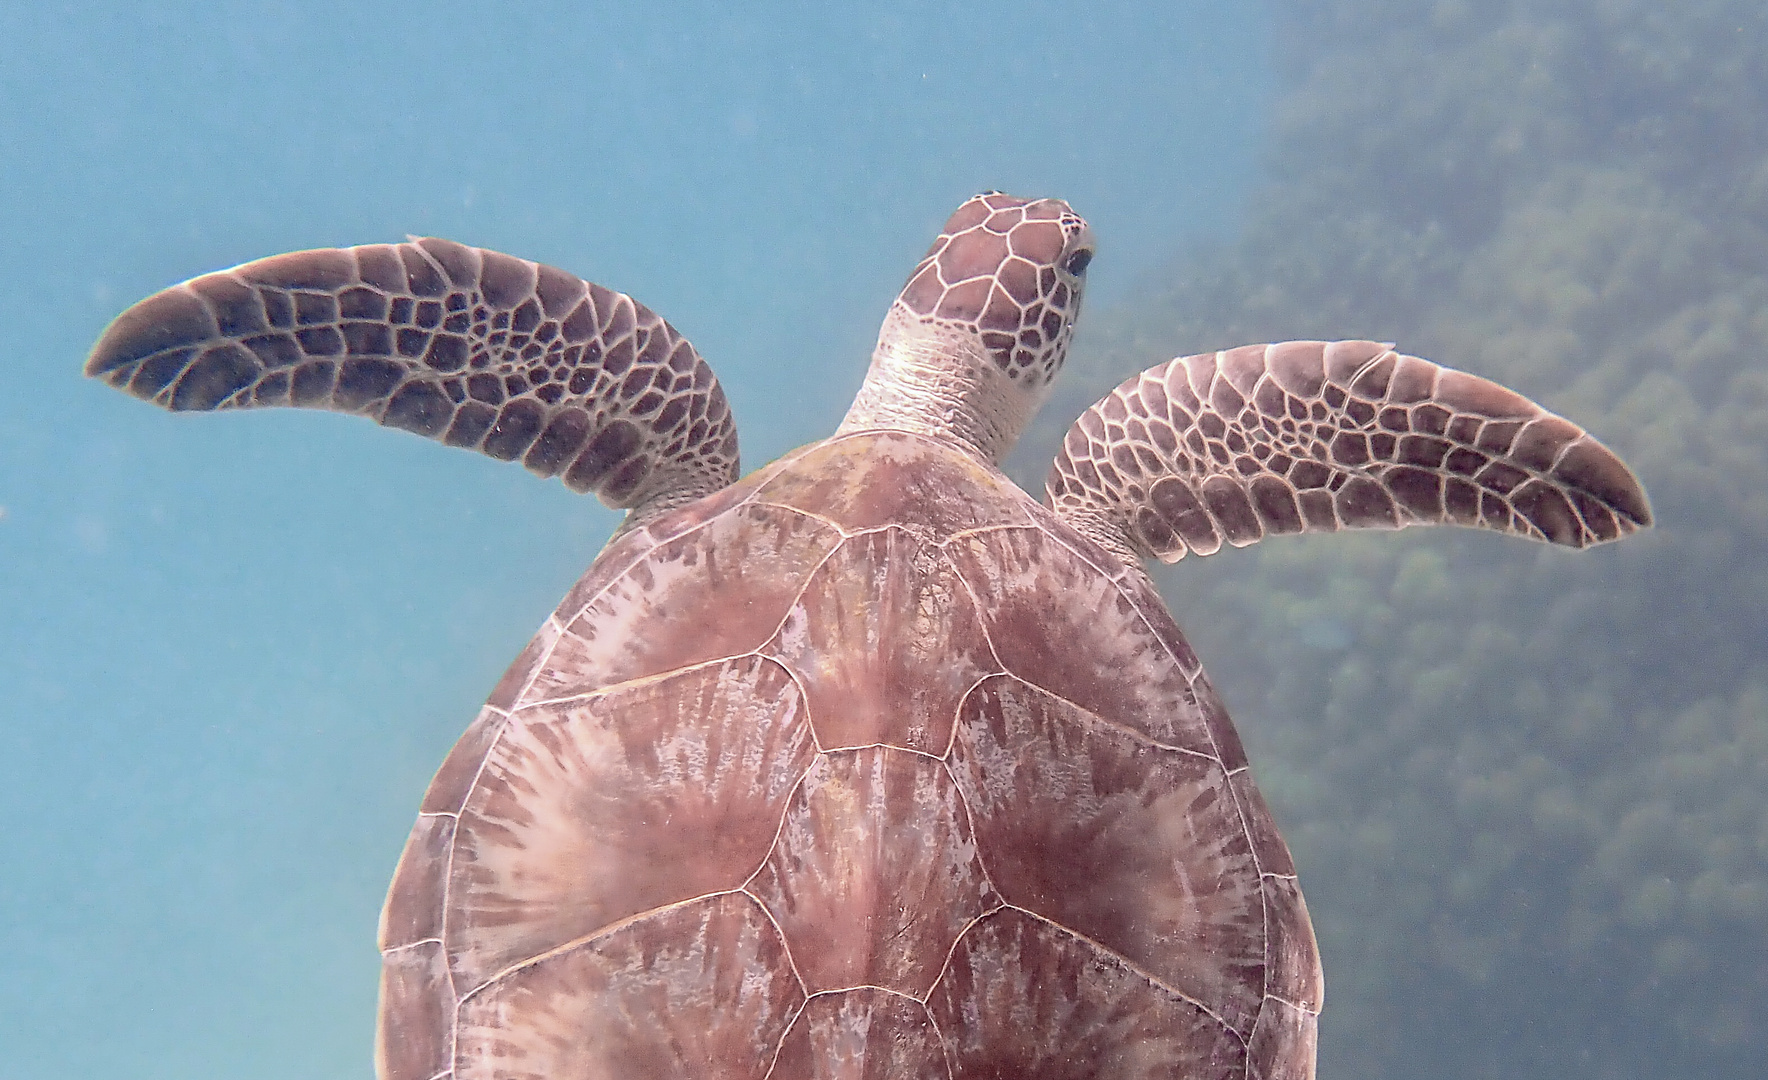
1109 724
1264 907
587 696
1142 616
988 881
879 744
448 883
1118 958
798 598
614 656
983 530
1251 837
801 512
1264 903
600 933
958 712
945 1050
780 1043
981 623
803 697
779 828
590 600
552 621
833 990
636 557
785 942
952 949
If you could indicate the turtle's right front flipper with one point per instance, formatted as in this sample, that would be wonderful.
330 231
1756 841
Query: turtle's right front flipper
1311 436
473 348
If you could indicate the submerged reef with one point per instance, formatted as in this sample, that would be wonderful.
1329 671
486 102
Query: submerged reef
1527 788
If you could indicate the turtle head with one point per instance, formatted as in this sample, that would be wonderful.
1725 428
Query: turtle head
971 344
1006 273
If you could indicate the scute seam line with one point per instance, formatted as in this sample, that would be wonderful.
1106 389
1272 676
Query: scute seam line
830 522
785 944
1296 1005
600 932
951 741
953 947
1135 968
588 696
779 830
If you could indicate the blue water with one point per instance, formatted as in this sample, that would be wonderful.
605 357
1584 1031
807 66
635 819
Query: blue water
1527 790
233 648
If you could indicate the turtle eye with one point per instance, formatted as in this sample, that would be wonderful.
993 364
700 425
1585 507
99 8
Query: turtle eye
1076 263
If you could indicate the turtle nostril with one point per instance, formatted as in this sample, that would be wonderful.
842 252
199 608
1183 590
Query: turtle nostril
1076 263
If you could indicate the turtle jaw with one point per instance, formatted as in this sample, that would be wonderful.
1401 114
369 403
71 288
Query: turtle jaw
969 348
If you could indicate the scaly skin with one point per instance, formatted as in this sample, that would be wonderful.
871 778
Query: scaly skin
1311 436
867 765
466 346
968 349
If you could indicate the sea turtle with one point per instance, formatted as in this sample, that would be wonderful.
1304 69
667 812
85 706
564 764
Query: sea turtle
867 764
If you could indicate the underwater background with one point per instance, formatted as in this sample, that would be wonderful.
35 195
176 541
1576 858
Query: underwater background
1527 789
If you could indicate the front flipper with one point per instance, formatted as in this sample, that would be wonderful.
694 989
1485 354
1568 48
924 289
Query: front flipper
1310 436
467 346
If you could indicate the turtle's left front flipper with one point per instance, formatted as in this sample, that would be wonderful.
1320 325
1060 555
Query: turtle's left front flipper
1310 436
466 346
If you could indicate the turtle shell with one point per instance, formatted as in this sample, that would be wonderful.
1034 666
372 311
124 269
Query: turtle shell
867 766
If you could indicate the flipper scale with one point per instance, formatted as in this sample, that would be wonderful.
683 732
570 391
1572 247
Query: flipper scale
470 347
1311 436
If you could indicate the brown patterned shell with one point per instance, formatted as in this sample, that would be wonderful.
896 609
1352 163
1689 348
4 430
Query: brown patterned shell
867 766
